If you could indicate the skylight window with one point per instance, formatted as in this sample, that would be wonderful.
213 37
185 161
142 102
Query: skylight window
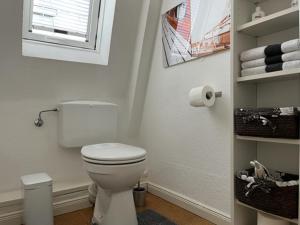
56 17
80 24
69 22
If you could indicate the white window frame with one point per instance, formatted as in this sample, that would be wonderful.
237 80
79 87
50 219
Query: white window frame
45 47
91 30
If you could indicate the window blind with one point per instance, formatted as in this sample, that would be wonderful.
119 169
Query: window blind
64 17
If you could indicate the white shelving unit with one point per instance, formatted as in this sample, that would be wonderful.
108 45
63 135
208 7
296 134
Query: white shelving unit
278 75
275 22
276 89
293 221
270 140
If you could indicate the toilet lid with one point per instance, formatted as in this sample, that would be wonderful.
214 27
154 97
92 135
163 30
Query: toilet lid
113 152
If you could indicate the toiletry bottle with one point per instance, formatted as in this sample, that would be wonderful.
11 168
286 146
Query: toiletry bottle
258 13
294 3
260 170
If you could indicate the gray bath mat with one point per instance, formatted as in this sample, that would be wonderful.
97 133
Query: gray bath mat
150 217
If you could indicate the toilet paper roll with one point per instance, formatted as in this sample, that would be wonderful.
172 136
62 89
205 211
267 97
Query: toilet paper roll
202 96
264 219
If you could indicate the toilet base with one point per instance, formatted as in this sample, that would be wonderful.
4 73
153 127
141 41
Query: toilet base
114 208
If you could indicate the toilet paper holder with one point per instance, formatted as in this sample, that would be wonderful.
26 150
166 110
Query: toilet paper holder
218 94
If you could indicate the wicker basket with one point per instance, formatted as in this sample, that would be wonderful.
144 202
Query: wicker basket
281 201
268 122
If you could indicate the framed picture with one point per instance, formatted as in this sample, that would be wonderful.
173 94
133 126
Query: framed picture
195 28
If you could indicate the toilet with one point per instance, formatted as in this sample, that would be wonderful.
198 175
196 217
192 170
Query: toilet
114 167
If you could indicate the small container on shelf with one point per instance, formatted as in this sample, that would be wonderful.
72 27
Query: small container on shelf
294 3
268 196
259 13
267 122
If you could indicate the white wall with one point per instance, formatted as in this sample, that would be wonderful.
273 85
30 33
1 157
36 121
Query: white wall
148 23
188 148
28 85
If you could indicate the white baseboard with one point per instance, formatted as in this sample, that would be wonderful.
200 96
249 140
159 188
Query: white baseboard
76 199
13 218
72 202
63 202
191 205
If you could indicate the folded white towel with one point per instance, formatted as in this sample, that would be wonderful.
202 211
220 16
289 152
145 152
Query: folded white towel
291 65
271 68
253 71
254 63
290 46
291 56
270 50
252 54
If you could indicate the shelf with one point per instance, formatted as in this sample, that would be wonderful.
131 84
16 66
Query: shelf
294 221
256 1
269 140
278 75
276 22
279 25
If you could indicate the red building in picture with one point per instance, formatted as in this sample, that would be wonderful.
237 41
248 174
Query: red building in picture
195 28
180 19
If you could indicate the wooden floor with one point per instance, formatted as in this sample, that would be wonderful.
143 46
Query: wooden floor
172 212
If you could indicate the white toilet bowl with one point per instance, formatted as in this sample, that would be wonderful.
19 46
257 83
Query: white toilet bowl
115 169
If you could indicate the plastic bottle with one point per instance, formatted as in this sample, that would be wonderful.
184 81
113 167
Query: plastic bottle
259 13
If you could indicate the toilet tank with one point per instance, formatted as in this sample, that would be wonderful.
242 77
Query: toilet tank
87 122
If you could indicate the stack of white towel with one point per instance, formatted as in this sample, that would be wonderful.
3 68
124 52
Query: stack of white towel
271 58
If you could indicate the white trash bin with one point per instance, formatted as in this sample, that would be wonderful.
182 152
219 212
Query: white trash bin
38 209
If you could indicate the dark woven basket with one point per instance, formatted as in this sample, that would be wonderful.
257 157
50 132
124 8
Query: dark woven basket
281 201
267 122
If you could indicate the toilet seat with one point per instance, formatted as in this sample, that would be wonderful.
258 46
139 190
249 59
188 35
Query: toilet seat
112 154
99 162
